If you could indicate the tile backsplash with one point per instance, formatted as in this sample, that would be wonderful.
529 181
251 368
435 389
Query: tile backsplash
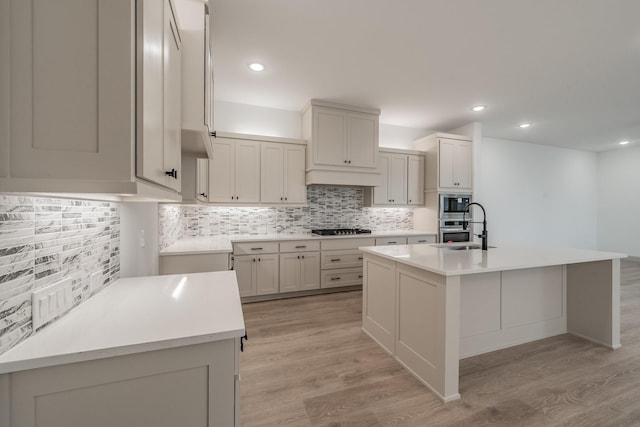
43 240
328 207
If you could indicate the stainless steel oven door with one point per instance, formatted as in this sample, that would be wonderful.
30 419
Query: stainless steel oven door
454 235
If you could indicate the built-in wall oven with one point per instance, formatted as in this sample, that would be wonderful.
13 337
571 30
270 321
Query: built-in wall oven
451 209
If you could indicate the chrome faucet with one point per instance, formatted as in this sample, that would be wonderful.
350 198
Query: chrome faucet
483 235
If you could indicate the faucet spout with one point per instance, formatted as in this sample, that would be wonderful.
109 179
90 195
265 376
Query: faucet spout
483 235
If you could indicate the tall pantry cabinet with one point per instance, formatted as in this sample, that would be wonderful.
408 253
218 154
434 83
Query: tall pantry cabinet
90 97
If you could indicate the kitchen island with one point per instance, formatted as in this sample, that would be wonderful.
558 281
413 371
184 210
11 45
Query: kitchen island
160 351
432 305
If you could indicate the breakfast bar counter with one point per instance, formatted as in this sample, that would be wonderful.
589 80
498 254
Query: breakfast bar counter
431 305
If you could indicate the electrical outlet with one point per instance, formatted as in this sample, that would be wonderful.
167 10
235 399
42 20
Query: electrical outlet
143 242
50 302
95 281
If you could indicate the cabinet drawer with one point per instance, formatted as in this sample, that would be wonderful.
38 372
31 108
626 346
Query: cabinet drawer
430 238
249 248
341 259
348 243
391 241
341 277
300 246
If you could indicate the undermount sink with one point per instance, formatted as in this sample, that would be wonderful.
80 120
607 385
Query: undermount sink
466 247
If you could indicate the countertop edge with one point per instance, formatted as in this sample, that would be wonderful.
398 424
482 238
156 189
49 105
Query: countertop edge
285 237
85 356
605 257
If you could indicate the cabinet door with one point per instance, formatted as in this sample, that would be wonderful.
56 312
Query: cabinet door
172 99
310 270
398 179
295 188
447 163
247 171
272 173
267 274
381 193
362 137
202 179
245 267
69 67
290 272
415 179
329 136
222 172
462 166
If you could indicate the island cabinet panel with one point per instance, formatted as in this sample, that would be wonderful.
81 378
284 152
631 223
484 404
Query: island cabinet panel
426 302
193 385
480 305
502 309
378 315
593 310
532 295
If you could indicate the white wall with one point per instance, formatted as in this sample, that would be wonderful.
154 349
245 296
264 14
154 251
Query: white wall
538 194
254 120
135 260
619 201
400 137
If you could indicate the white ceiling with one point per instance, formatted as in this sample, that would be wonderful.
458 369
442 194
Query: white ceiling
570 67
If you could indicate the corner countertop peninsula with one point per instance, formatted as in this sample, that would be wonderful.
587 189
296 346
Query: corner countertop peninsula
431 305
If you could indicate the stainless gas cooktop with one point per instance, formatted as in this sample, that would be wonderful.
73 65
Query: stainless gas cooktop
339 231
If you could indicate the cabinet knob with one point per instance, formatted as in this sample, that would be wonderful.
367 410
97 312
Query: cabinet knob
203 195
172 173
349 162
345 161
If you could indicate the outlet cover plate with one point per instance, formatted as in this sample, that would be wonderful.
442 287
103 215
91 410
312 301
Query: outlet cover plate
51 301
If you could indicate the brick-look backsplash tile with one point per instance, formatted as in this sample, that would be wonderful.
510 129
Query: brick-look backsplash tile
43 240
328 207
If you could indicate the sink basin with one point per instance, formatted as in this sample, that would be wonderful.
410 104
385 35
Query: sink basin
466 247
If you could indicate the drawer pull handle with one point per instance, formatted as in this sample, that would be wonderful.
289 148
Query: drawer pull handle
360 258
301 246
422 241
335 278
392 243
335 259
256 249
360 276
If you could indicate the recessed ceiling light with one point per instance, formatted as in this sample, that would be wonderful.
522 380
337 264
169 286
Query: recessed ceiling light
624 142
525 125
256 66
478 108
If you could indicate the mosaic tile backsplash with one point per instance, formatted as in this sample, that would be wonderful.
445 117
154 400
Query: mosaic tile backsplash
329 207
43 240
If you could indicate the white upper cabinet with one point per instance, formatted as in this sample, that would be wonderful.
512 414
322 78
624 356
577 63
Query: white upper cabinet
254 169
282 173
158 85
234 172
72 112
197 82
448 162
343 144
402 179
415 179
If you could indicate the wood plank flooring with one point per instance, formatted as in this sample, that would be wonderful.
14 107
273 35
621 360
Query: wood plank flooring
307 363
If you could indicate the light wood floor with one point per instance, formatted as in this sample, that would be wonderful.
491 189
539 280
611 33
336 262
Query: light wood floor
307 363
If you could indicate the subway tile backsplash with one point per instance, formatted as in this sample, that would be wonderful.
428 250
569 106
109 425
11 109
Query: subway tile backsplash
43 240
328 207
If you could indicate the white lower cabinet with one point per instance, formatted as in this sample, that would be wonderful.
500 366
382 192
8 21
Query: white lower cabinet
194 385
257 274
342 261
427 238
299 271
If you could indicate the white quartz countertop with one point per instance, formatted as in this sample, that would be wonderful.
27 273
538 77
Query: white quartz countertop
223 244
136 315
439 259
